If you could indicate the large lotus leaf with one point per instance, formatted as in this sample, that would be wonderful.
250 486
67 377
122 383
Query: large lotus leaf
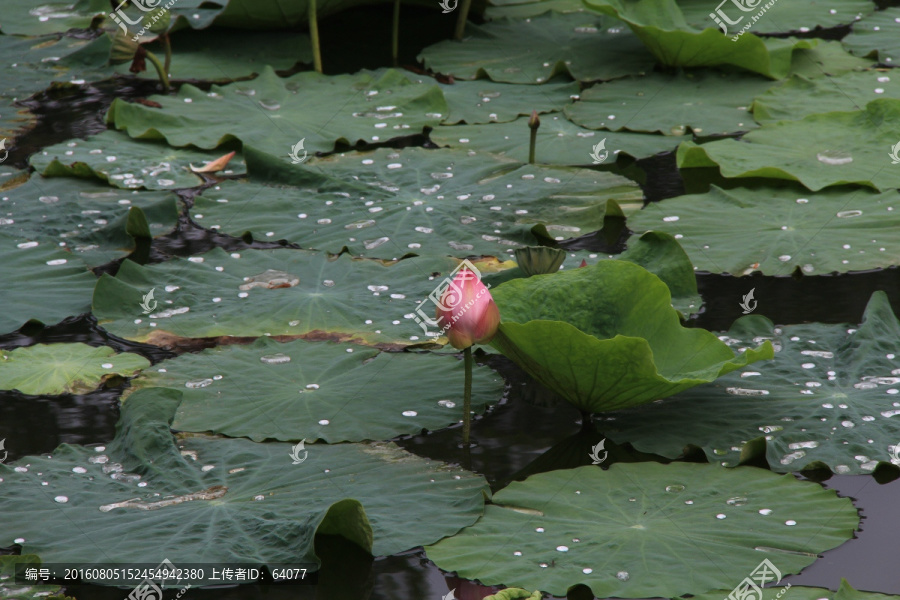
285 292
125 163
274 114
876 35
87 217
481 101
661 26
850 91
781 17
636 530
828 58
225 500
277 14
46 369
780 229
41 282
818 151
606 336
26 17
203 55
706 102
828 398
844 592
559 141
318 390
586 46
525 10
416 200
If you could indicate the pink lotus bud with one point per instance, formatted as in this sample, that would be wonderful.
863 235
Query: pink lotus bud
468 310
583 263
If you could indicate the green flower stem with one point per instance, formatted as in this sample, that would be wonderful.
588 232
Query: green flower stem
395 34
163 77
461 19
532 145
467 396
314 36
167 44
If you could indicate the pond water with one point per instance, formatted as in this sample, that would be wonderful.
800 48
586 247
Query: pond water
528 432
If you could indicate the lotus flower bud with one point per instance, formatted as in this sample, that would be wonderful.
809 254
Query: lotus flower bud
538 260
469 311
535 121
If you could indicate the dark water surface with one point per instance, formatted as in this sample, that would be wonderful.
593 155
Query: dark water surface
530 431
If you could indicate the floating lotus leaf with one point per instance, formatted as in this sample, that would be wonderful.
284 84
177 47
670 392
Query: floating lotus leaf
125 163
284 292
606 336
613 530
876 35
23 17
48 369
387 203
828 58
781 17
41 282
559 142
274 114
248 502
828 398
318 390
661 26
87 217
276 14
780 229
480 101
818 151
704 102
850 91
586 46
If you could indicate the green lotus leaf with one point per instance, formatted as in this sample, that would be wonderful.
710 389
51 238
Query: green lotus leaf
819 150
611 530
274 114
515 594
850 91
876 35
318 390
276 14
585 46
125 163
844 592
829 398
475 102
525 10
41 282
87 217
214 500
606 336
662 28
559 141
387 203
704 102
828 58
283 292
779 230
22 17
781 17
202 55
49 369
